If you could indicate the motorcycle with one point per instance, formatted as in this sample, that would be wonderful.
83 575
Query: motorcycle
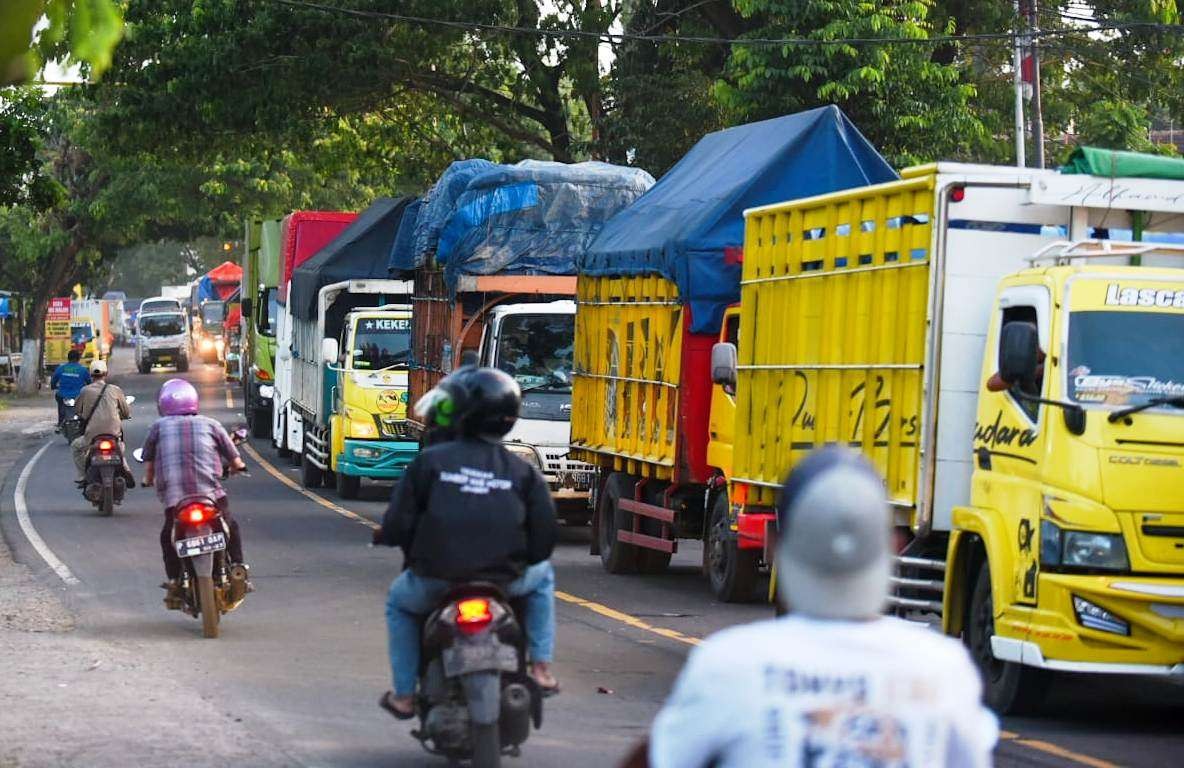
210 585
476 700
105 484
71 425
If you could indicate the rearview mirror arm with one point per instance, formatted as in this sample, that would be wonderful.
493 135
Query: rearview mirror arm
1074 413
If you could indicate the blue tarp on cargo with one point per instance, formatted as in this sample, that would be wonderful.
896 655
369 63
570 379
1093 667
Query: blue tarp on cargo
439 203
402 258
681 228
533 217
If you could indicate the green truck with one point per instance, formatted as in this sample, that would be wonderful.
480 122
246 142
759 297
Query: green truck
261 270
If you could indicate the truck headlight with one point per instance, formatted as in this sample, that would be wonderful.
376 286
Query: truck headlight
1082 549
363 452
266 391
526 453
1093 616
362 429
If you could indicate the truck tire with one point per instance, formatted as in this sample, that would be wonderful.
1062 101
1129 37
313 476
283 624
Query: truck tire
616 556
143 366
183 365
348 486
311 476
260 422
1008 688
731 571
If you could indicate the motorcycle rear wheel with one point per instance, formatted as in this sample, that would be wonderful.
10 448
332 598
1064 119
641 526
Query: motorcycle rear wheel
487 746
107 500
209 607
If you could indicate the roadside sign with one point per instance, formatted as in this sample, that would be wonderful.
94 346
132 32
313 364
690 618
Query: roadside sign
57 330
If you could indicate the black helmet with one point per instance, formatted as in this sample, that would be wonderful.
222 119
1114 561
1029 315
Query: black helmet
472 401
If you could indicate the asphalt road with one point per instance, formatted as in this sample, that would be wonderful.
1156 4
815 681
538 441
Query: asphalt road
303 661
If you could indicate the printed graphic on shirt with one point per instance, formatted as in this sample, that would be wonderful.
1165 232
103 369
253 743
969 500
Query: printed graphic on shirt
475 481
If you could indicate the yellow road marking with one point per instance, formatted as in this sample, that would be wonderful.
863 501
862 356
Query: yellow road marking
636 623
229 399
295 486
624 618
1053 749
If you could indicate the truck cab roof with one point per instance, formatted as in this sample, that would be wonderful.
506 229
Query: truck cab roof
561 307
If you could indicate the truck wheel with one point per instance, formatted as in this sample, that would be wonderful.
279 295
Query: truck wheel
616 556
732 571
311 476
347 485
1008 688
260 422
143 366
183 365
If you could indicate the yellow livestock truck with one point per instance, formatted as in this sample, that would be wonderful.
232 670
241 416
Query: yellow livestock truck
1013 365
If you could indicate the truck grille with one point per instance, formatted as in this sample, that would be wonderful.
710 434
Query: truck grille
396 429
556 459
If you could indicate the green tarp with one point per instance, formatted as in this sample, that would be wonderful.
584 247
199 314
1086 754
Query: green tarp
1109 162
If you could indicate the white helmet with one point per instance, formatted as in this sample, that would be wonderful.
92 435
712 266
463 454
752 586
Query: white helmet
98 368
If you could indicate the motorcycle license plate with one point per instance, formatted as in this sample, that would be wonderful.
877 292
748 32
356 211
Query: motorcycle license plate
462 659
200 545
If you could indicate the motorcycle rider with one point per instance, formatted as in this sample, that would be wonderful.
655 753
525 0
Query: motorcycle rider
184 455
467 509
833 682
68 380
103 408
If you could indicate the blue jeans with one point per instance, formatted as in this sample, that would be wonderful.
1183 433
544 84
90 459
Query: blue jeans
413 597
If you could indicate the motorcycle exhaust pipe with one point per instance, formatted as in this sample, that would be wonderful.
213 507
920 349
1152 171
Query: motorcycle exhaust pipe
237 584
514 720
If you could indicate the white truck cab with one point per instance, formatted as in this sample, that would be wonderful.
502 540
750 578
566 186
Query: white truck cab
534 343
162 338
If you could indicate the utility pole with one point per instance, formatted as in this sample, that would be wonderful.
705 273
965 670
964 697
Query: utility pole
1017 63
1037 111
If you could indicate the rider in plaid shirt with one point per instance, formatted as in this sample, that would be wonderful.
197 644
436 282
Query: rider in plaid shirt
184 454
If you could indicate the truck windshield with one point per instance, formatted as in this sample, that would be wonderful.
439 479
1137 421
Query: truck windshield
381 342
80 334
1123 359
213 313
267 322
161 305
161 325
537 350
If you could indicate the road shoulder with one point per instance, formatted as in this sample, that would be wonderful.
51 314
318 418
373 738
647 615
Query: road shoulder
69 699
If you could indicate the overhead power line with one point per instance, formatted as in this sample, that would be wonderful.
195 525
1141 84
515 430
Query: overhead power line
621 37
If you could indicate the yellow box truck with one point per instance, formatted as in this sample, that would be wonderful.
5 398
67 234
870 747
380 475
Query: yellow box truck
1016 373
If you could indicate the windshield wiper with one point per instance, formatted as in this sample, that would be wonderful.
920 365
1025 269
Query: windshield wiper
1155 402
547 385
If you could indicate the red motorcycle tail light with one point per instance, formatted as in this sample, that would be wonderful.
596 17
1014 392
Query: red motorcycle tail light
473 615
196 513
106 445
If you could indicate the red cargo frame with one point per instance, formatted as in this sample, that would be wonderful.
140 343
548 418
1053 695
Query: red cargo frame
302 234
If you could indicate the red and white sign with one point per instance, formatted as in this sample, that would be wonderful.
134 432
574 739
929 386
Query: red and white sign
59 309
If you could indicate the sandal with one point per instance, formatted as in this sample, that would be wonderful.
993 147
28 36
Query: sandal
387 702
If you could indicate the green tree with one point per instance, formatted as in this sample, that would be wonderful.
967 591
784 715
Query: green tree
77 31
909 105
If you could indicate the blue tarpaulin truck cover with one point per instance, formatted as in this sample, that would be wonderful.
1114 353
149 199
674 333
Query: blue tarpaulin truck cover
689 227
534 217
402 259
438 205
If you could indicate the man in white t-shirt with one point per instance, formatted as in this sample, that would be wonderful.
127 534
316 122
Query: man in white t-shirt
833 683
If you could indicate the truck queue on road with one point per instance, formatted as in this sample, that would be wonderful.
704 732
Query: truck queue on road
1003 344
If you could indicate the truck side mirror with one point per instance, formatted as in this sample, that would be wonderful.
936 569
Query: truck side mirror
1019 351
723 364
329 350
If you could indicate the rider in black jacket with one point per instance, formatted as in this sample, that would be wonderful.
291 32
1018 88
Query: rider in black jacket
468 509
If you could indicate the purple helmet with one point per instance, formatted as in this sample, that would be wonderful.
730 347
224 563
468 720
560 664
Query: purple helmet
177 398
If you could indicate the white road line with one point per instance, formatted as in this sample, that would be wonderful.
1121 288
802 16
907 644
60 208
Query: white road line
22 517
229 399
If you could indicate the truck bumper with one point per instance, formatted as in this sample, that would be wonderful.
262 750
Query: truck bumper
376 459
1127 625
